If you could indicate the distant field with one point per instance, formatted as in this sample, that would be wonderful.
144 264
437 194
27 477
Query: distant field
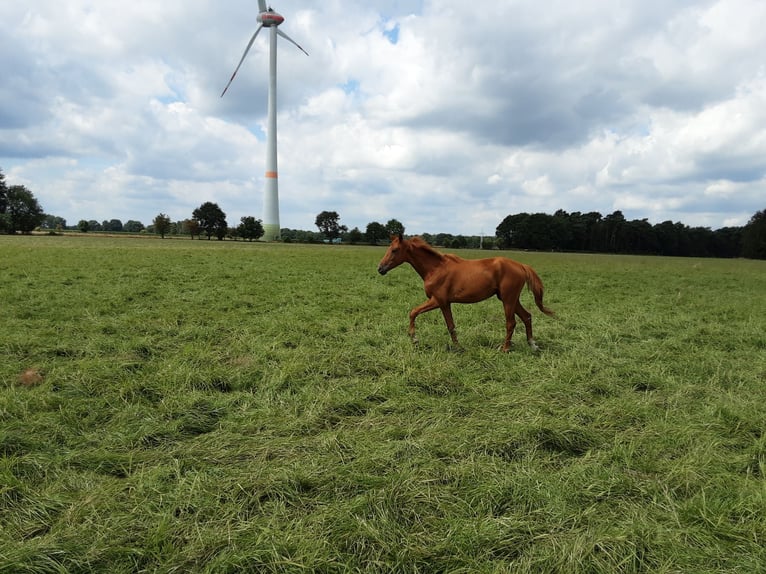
205 406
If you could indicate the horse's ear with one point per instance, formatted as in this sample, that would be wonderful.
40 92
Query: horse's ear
400 236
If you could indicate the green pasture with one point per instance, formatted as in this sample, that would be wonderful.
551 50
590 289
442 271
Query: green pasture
205 406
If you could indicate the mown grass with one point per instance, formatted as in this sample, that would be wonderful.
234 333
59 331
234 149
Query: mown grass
229 407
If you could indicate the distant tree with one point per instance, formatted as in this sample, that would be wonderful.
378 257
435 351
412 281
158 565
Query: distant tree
355 236
161 225
538 232
700 241
613 225
668 238
754 237
22 211
83 226
53 223
329 225
191 226
212 220
132 226
112 225
250 228
3 203
94 225
643 238
727 242
509 229
394 227
300 236
585 230
561 231
375 233
460 242
488 243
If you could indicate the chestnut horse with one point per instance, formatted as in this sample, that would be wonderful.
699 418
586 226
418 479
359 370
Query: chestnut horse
450 279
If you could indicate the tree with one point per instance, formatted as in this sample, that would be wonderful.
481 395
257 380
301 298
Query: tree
375 232
506 231
250 228
112 225
190 226
727 242
355 236
211 219
460 242
394 227
329 226
161 225
132 226
83 226
299 236
613 227
53 223
3 203
754 237
22 211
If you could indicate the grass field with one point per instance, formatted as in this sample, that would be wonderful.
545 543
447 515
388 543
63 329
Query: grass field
195 406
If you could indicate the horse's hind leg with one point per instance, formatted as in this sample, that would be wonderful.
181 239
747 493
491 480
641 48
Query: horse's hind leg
526 318
510 325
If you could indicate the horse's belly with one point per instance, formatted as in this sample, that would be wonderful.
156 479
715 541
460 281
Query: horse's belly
472 284
470 295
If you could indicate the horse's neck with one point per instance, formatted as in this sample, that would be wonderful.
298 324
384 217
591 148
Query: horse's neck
424 260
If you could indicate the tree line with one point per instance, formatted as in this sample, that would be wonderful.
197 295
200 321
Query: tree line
20 212
613 233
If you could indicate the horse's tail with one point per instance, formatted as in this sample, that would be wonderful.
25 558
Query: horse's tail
535 285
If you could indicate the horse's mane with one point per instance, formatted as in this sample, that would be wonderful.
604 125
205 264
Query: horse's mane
419 243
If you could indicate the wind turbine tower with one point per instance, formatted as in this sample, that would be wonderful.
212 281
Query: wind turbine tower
267 18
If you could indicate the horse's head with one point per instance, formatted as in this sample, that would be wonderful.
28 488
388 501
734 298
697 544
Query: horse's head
395 255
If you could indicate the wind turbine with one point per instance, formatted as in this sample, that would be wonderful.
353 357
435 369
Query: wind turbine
267 18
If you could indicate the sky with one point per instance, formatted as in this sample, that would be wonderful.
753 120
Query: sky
446 116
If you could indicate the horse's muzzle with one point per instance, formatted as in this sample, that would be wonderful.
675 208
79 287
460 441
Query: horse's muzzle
382 269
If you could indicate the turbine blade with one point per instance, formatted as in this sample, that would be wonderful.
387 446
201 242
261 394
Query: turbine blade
289 39
249 45
261 5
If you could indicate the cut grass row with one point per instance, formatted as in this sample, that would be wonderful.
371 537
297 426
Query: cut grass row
220 407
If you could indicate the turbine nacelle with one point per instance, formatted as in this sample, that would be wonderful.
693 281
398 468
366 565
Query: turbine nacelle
270 18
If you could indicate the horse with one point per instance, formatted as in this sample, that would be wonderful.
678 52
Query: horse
449 279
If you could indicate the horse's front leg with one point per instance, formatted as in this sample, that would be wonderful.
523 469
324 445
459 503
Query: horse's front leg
429 305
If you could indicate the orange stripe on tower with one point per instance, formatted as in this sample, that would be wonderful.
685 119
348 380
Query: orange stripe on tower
271 174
